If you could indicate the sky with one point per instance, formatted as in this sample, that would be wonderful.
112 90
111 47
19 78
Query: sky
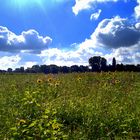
68 32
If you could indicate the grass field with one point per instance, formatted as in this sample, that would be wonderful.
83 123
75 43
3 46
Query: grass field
77 106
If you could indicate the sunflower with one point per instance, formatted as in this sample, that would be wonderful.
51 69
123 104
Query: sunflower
117 81
57 83
39 81
21 122
50 80
79 78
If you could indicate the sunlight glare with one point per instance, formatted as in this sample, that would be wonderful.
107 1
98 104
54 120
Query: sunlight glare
25 3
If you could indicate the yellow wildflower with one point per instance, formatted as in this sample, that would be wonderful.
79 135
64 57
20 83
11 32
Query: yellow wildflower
79 78
117 81
39 81
22 121
57 83
50 80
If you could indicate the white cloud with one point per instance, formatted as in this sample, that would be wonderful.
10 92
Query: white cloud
114 37
96 15
29 40
59 57
137 25
137 10
116 32
29 64
102 42
125 55
112 33
87 4
9 62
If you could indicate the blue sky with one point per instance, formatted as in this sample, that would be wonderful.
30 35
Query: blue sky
68 32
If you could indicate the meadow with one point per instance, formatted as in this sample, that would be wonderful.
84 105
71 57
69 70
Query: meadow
76 106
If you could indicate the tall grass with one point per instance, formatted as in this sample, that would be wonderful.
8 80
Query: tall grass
75 106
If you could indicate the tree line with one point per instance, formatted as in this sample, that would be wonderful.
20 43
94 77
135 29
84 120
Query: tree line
96 64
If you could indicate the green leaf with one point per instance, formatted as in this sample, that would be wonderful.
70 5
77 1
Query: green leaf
45 117
15 134
32 124
13 129
24 130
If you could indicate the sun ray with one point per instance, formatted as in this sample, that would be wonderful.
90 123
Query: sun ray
21 4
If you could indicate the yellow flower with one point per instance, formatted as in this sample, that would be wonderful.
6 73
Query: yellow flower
39 81
79 78
50 80
57 83
21 122
117 81
109 73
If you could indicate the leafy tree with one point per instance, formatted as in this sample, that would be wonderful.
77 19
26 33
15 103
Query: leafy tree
9 70
36 68
19 70
114 63
54 69
74 68
64 69
103 64
97 63
120 67
45 69
84 68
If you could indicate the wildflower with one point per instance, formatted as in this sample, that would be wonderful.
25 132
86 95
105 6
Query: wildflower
57 83
50 80
39 81
22 121
117 81
79 78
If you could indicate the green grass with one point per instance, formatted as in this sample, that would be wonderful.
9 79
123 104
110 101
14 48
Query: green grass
84 106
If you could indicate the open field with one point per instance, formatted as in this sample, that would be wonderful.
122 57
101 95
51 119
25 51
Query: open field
77 106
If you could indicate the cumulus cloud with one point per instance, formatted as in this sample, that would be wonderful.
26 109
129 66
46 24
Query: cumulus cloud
29 41
96 15
113 33
116 32
137 25
125 55
9 62
59 57
29 64
114 37
87 4
137 10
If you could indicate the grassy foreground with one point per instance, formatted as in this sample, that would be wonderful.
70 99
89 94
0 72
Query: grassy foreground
84 106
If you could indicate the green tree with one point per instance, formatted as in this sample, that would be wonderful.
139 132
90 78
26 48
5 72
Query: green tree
97 63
